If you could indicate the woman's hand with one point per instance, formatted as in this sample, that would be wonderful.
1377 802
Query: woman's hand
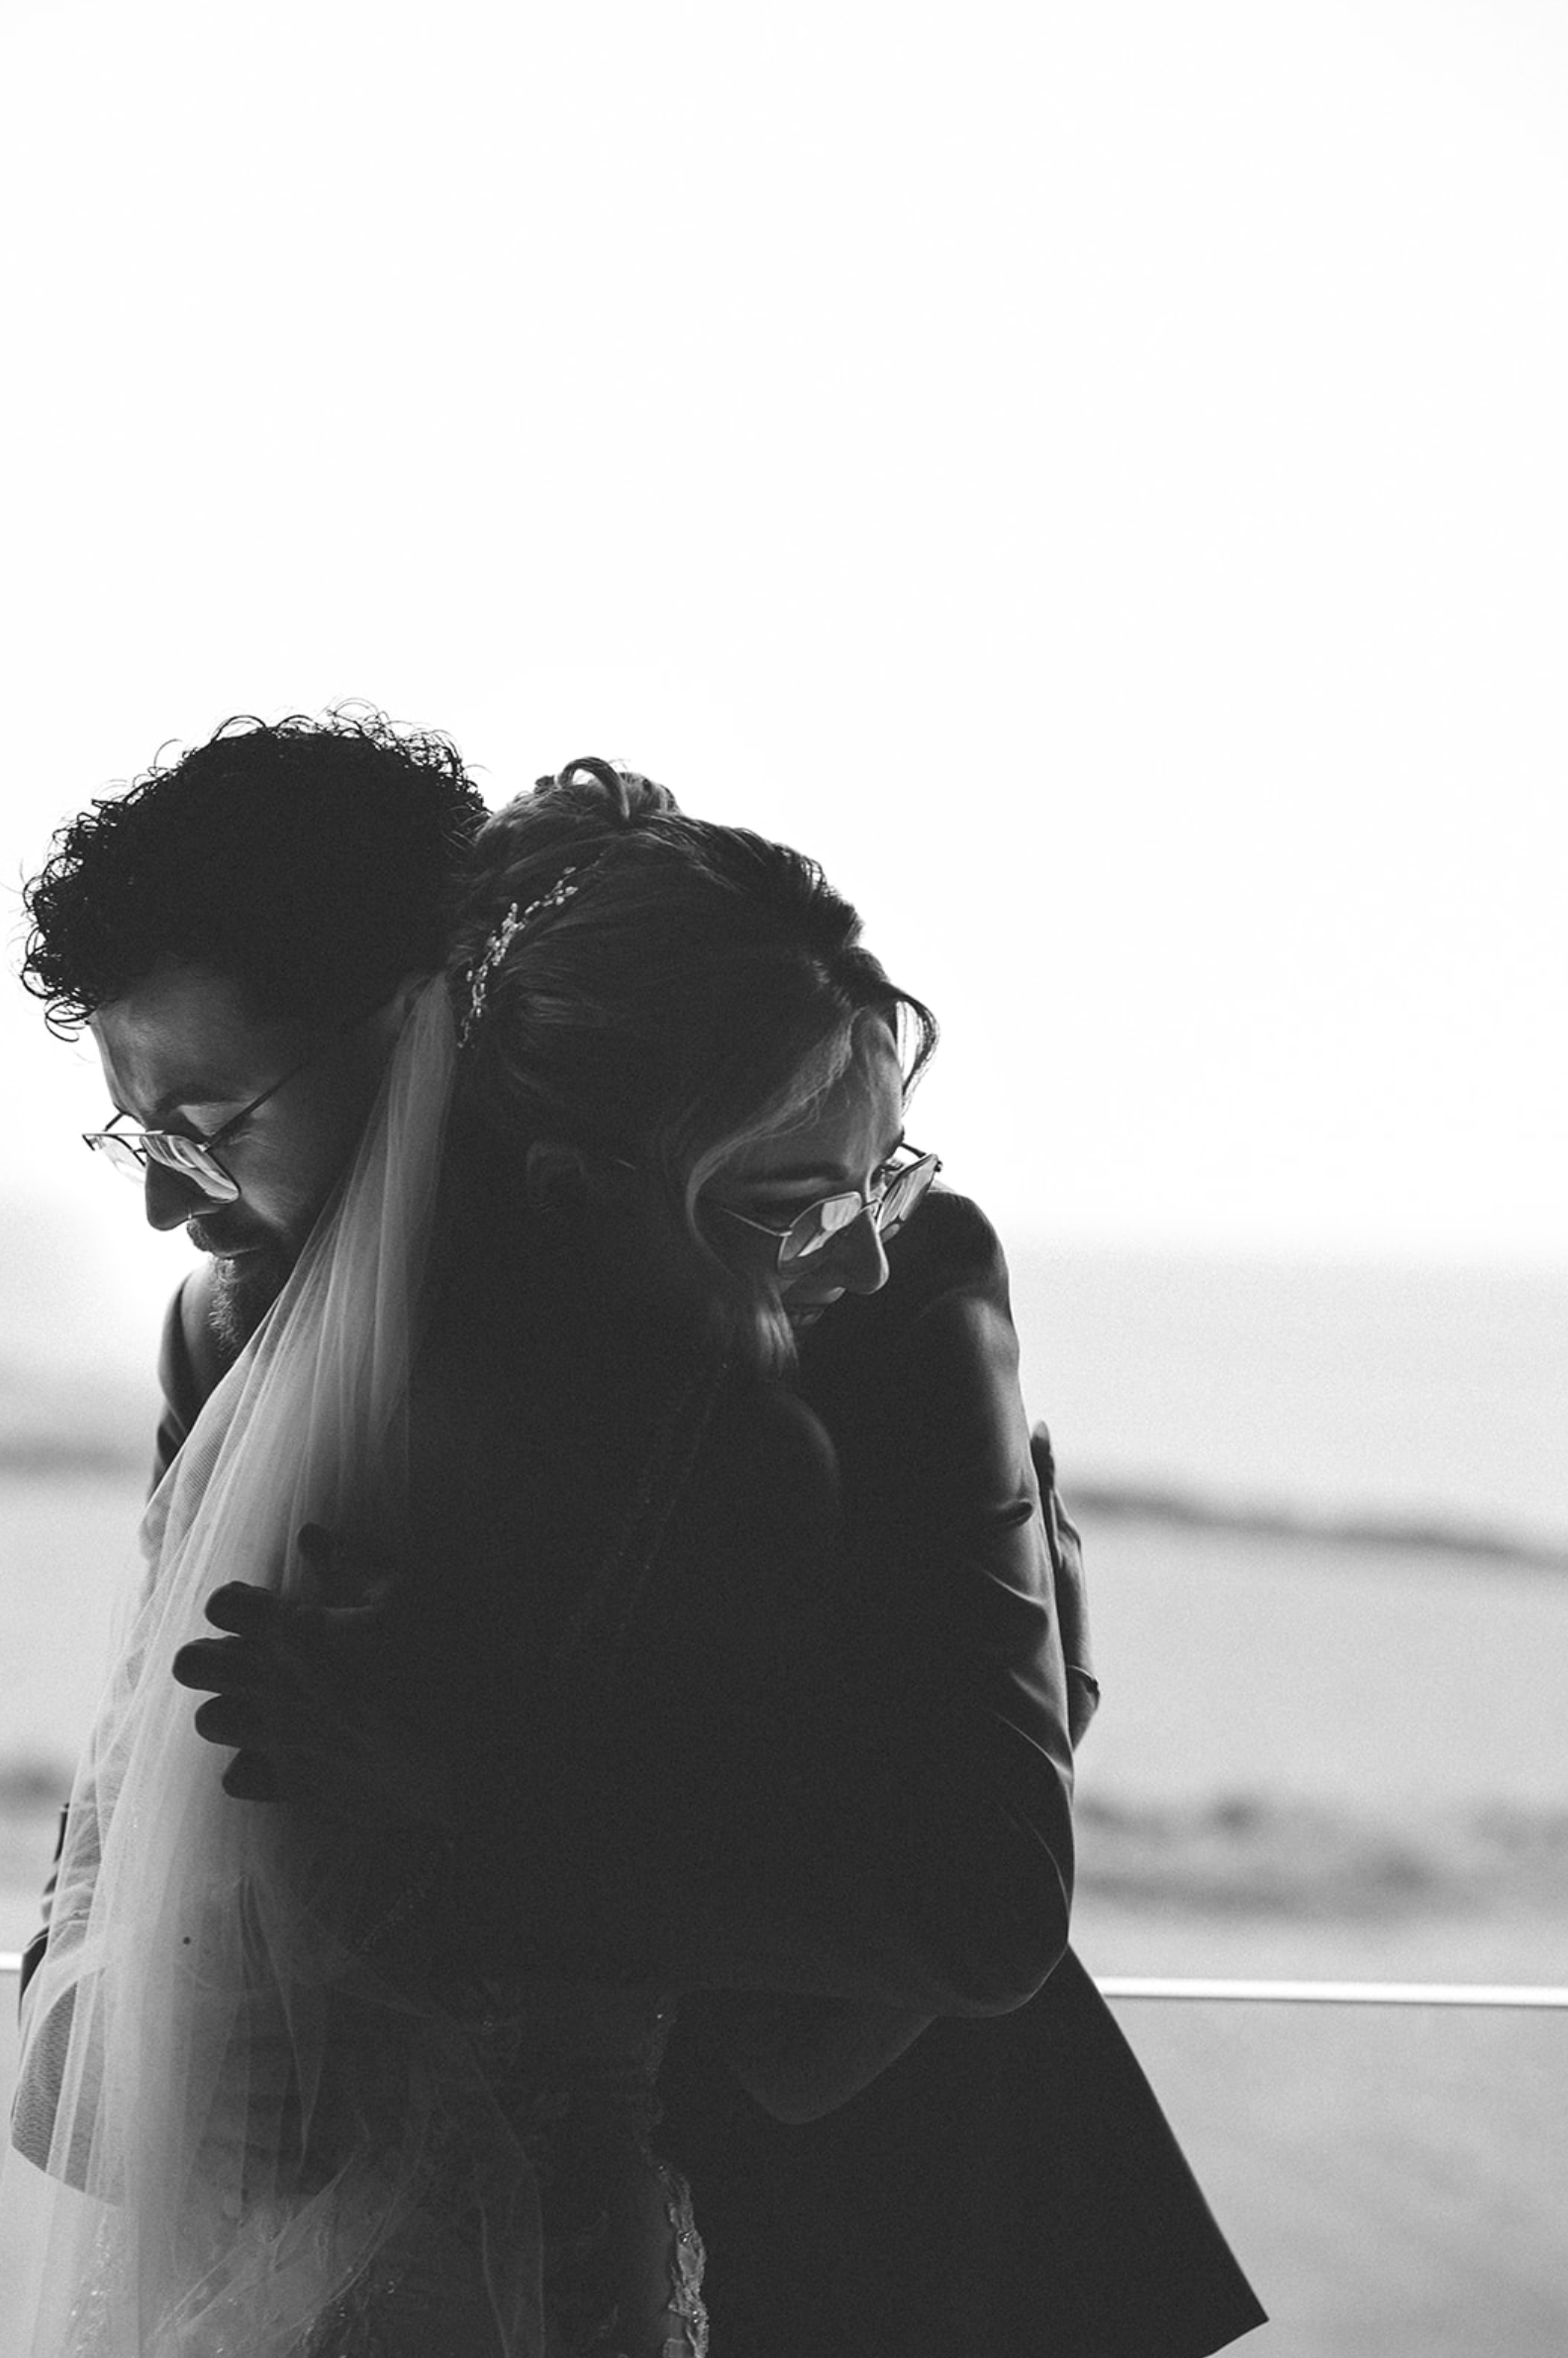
302 1693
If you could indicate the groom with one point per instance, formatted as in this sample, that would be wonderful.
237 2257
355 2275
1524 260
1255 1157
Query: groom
241 931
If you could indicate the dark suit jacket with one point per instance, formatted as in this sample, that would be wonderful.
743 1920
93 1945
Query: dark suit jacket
1010 2186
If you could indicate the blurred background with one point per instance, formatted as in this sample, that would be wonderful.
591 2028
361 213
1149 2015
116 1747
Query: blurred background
1096 478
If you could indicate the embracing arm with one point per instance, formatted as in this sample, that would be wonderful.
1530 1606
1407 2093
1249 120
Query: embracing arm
955 1587
965 1561
829 1770
801 2057
888 1816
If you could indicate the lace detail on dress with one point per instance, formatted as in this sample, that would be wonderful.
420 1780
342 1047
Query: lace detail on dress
687 2262
621 2262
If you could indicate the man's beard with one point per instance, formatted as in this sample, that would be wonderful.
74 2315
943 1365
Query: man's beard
243 1291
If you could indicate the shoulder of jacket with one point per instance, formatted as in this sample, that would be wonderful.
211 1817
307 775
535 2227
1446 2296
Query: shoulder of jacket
947 1276
949 1247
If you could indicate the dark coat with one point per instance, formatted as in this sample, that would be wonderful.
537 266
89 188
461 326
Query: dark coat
1009 2186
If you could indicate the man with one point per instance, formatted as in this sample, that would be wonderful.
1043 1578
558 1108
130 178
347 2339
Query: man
242 933
239 930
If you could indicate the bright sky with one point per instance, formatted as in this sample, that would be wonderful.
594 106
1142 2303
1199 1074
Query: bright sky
1095 475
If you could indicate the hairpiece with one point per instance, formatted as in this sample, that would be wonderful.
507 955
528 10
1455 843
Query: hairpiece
566 888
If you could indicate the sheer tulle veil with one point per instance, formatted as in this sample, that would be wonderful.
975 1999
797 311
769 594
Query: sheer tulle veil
231 2101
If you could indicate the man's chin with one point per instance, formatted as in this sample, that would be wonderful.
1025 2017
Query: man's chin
244 1287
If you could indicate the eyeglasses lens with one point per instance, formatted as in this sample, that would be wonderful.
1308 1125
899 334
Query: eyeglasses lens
191 1161
906 1192
118 1153
815 1229
821 1225
828 1219
129 1154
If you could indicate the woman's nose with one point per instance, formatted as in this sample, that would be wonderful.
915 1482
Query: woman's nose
855 1259
170 1201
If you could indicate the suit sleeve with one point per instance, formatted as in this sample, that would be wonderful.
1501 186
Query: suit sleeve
956 1588
952 1743
973 1580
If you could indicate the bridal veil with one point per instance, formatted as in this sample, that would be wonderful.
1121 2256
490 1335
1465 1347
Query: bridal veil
229 2101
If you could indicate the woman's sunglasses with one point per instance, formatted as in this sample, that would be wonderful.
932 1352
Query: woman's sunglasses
810 1231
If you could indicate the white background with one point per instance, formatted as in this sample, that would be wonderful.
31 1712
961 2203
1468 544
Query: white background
1095 475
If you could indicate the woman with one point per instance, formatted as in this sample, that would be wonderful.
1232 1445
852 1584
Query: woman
375 2070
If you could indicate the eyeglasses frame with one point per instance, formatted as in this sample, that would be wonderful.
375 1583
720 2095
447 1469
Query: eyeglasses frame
868 1201
137 1140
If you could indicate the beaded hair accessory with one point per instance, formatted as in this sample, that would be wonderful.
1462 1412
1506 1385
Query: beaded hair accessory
567 885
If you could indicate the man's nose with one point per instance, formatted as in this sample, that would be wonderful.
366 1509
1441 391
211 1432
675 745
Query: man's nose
170 1201
855 1259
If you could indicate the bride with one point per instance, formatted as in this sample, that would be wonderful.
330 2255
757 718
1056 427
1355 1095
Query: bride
373 2070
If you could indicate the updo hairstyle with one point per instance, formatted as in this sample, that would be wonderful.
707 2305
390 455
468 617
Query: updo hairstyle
698 992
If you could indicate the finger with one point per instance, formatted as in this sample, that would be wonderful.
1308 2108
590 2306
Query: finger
235 1721
318 1652
248 1611
277 1724
351 1813
253 1776
256 1775
220 1665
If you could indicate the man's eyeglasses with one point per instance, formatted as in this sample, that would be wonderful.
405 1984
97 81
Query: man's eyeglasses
889 1204
195 1160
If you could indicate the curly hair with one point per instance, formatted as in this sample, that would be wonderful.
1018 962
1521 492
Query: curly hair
699 989
307 861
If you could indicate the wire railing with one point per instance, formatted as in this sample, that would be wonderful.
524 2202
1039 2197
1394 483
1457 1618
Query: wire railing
1533 1995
